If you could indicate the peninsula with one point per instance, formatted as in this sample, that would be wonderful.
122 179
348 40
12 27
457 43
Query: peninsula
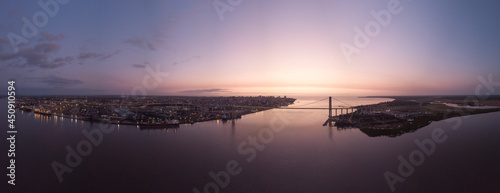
149 110
408 113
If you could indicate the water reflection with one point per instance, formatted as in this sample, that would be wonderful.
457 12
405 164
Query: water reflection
158 131
233 128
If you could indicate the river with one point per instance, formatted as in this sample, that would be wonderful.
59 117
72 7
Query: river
294 153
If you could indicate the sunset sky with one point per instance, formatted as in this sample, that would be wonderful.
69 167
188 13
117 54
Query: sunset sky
277 47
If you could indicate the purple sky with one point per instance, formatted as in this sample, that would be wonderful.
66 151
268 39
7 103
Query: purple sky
277 47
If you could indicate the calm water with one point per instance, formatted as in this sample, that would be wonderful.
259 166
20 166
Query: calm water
303 157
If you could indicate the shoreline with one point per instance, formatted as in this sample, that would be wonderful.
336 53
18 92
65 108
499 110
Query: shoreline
87 119
402 116
151 111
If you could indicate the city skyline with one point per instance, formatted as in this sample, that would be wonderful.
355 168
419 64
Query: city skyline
260 47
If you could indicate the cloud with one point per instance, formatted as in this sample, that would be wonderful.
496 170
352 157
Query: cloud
106 57
56 81
51 37
43 54
84 56
60 61
143 43
38 55
197 57
139 65
200 91
89 55
3 42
